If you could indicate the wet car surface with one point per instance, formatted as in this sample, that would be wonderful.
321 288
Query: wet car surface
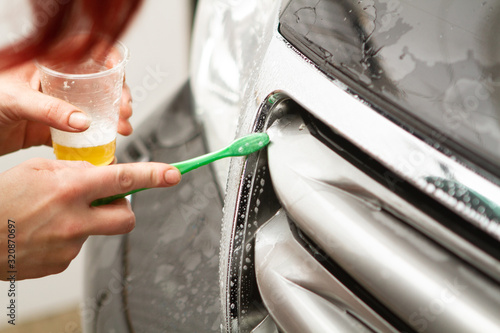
436 61
167 267
374 208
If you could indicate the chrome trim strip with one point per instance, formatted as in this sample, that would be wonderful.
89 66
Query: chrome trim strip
299 293
266 326
368 190
333 203
353 118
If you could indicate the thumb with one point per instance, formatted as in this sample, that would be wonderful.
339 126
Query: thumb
33 105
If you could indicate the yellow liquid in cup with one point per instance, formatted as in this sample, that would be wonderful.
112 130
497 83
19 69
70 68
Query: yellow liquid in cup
99 155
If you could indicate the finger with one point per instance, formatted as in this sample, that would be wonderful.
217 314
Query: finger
39 163
126 103
35 82
124 126
121 178
32 105
112 56
115 218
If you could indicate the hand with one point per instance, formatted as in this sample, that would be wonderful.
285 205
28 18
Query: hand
49 201
26 114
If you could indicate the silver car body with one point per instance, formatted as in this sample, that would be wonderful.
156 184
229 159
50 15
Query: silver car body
375 208
426 276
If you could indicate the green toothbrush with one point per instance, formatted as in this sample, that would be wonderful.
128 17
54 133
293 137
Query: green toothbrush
240 147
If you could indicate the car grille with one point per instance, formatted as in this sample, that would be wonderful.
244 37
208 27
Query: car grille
338 247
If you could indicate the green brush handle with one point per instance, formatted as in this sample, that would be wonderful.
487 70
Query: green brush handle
194 163
240 147
183 167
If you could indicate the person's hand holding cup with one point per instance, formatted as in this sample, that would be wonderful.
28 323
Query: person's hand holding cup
93 85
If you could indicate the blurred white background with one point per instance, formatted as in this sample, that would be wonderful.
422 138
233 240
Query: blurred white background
158 41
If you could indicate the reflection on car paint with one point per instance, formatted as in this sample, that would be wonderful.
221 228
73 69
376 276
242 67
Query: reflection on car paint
436 61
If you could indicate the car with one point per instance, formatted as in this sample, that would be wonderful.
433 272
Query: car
375 208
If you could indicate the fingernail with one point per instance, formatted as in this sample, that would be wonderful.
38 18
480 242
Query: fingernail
78 120
172 176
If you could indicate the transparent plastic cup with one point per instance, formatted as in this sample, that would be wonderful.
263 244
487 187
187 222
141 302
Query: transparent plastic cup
94 85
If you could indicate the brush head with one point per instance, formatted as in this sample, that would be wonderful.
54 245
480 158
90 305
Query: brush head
249 144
